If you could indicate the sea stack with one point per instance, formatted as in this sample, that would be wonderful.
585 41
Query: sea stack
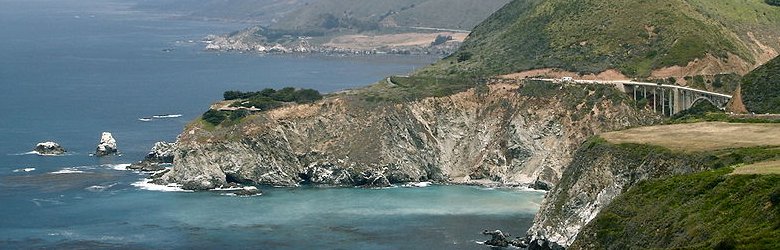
49 148
106 146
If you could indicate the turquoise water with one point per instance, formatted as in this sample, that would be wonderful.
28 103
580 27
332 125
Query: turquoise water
70 69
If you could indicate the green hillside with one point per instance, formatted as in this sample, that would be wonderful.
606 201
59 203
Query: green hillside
709 210
329 14
634 37
761 88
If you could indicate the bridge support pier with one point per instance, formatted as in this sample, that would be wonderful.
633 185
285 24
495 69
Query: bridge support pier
677 102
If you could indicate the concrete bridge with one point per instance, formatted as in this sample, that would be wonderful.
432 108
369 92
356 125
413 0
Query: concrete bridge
668 99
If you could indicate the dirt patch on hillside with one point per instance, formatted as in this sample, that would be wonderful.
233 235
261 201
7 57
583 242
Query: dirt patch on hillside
764 52
736 105
392 40
703 136
709 65
610 74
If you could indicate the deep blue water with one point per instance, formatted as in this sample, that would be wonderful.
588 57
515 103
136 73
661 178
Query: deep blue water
71 69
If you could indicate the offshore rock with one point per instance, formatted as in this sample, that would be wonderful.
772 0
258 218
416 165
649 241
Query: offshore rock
499 134
49 148
146 166
498 239
106 146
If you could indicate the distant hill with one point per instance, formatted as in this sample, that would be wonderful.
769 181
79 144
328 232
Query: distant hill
449 14
638 38
257 11
327 14
761 88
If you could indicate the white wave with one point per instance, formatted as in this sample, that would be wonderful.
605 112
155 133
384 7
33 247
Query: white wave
99 188
227 189
417 184
41 202
24 170
26 153
68 171
146 184
166 116
120 167
233 194
528 189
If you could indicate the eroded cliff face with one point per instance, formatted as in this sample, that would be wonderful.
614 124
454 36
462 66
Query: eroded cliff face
598 173
503 134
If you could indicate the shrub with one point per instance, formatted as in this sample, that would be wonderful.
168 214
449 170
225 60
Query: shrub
215 117
238 114
266 97
773 2
306 96
464 56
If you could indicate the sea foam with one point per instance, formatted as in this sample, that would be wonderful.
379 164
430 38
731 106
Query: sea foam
68 171
24 170
146 185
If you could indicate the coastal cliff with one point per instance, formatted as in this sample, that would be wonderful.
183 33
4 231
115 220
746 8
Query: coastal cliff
497 134
599 173
643 169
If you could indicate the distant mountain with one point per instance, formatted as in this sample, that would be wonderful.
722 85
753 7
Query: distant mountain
259 11
638 38
329 14
367 14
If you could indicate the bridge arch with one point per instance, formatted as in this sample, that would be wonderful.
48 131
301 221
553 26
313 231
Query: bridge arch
707 99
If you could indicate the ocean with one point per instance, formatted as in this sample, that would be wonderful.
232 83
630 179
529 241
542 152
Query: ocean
71 69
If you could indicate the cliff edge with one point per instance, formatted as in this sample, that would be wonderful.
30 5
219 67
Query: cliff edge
508 133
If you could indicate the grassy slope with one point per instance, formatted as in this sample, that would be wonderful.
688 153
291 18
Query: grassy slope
453 14
761 88
593 35
699 211
704 210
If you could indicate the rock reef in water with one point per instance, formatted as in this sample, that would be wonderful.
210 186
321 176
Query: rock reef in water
49 148
107 145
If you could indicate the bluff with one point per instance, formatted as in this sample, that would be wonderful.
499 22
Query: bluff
501 133
599 173
659 181
709 210
637 38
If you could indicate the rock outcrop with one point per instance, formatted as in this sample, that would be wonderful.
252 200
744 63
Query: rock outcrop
599 172
497 238
49 148
502 134
107 145
160 154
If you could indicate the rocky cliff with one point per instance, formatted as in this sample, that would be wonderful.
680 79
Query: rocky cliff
598 173
503 134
